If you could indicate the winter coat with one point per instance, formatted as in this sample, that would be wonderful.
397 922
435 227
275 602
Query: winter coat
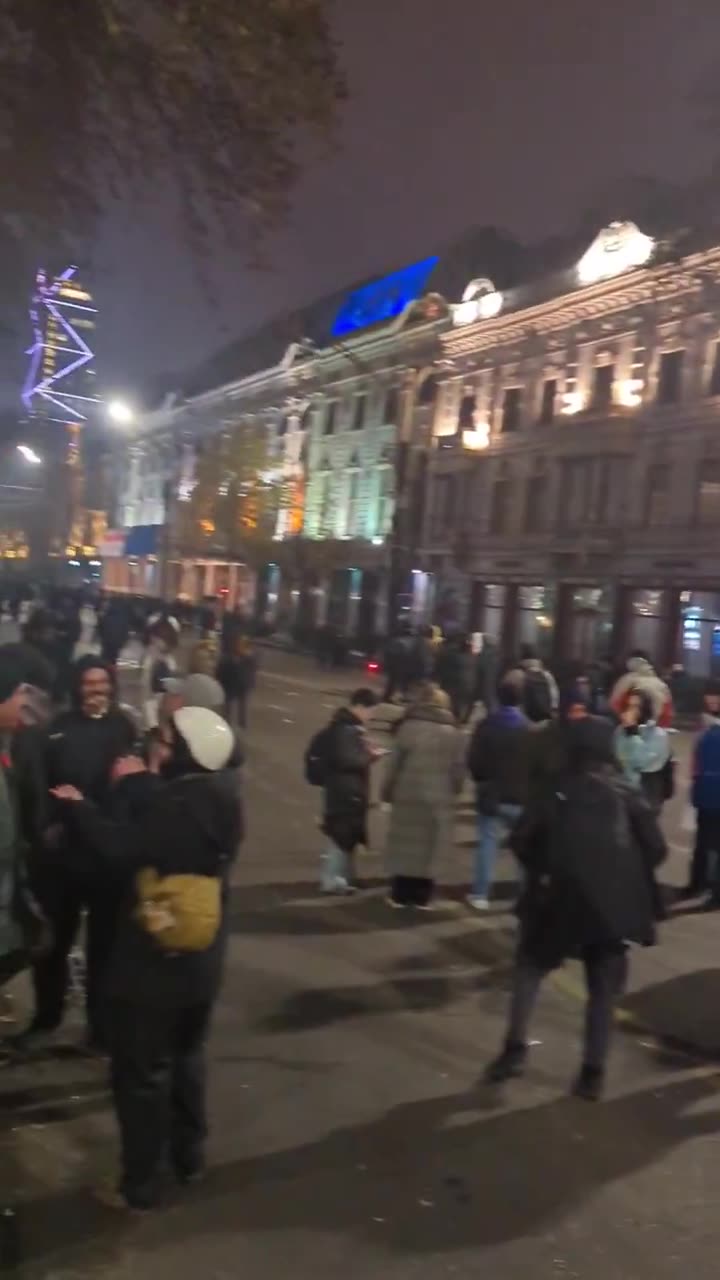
347 789
21 922
533 666
456 671
641 677
597 893
191 825
499 759
706 769
424 775
236 674
642 750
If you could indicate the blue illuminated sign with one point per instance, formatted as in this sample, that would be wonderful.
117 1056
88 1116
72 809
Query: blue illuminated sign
383 299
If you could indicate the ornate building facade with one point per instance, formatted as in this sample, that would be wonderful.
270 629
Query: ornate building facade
574 488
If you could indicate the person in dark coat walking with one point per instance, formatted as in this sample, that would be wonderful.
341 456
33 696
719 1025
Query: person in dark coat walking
347 790
81 749
456 673
160 1000
590 846
237 672
499 763
705 798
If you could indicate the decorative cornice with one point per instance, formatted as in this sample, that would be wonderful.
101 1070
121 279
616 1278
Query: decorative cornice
637 288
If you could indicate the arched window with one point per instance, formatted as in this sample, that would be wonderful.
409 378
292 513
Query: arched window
427 392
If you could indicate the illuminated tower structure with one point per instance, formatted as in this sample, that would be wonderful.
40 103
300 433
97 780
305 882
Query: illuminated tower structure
59 397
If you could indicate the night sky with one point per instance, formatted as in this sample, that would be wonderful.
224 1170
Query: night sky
461 113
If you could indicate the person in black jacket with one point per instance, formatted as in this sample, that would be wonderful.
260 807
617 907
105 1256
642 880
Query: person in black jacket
590 846
236 672
81 748
347 790
499 763
187 822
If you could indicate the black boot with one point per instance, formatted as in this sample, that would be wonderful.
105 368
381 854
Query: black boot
590 1083
508 1066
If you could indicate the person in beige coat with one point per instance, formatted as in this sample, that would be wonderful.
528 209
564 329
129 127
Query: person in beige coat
424 776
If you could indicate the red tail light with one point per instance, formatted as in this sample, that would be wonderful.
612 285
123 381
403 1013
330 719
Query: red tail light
373 668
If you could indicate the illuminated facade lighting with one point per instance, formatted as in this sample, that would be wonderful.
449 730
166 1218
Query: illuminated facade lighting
480 301
478 438
629 392
618 248
59 352
573 402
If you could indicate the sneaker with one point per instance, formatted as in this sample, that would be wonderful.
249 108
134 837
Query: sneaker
396 906
477 903
509 1066
590 1083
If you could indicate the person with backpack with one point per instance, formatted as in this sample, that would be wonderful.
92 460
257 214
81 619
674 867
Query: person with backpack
705 797
590 846
172 840
499 763
540 694
338 759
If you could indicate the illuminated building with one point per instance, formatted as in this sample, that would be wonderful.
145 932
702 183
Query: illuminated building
59 397
59 382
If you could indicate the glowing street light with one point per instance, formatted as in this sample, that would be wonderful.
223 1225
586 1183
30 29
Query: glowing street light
121 413
29 454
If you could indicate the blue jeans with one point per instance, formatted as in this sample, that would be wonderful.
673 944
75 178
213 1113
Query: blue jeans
490 831
335 869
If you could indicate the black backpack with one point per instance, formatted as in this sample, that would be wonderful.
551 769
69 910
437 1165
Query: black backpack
317 757
537 702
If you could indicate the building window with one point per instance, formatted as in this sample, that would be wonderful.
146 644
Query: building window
427 393
657 494
500 510
353 503
602 388
708 491
466 416
324 495
391 407
359 407
574 499
444 504
669 387
714 388
330 418
386 501
547 404
511 409
536 503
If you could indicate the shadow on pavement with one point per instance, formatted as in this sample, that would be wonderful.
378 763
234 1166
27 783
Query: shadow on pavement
438 1175
682 1011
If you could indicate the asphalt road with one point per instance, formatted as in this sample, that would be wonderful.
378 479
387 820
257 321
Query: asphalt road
351 1136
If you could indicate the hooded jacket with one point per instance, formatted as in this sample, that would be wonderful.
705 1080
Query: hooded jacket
641 677
81 750
347 789
499 759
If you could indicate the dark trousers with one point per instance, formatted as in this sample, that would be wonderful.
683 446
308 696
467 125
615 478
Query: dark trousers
705 867
605 977
236 711
158 1080
63 899
411 891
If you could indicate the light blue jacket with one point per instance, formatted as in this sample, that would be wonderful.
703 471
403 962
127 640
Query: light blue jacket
646 751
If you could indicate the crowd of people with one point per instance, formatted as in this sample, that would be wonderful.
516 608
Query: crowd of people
572 778
121 825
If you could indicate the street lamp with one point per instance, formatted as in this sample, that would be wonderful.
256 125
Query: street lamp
29 454
121 413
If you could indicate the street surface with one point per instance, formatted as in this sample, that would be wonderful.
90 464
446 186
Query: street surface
351 1136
